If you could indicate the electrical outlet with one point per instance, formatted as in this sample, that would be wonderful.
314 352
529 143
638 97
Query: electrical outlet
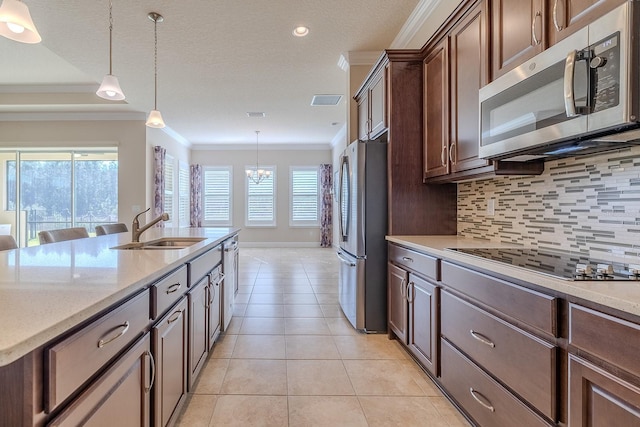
491 207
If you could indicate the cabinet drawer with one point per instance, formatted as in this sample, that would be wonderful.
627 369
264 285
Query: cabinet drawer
607 337
119 397
77 358
200 266
168 290
521 361
486 401
422 264
533 308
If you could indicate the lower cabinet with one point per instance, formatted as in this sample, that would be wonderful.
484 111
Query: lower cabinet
120 396
170 343
486 401
598 398
397 301
198 299
423 322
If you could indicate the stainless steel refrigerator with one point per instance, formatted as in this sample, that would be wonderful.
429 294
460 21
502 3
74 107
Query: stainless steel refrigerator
362 214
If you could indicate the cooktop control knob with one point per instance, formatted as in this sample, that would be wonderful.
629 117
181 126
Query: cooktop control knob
583 271
604 270
634 271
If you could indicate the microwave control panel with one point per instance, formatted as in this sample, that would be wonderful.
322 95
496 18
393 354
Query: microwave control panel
604 63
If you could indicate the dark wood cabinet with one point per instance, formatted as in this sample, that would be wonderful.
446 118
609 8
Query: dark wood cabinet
198 323
436 111
120 396
170 343
372 108
215 300
397 301
600 399
518 31
422 337
567 16
413 302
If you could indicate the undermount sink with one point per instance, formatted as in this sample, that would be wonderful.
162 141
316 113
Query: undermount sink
163 243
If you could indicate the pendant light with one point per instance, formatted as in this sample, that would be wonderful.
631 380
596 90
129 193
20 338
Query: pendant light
16 23
110 88
155 118
257 175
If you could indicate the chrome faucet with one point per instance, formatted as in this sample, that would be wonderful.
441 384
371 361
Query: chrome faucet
136 231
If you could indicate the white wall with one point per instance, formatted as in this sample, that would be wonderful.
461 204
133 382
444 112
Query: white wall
282 234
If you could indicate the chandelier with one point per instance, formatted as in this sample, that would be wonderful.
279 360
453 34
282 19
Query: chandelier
257 175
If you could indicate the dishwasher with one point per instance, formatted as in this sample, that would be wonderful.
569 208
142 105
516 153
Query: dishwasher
230 284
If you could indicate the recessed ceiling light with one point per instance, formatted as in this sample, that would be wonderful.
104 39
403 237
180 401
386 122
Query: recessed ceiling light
300 31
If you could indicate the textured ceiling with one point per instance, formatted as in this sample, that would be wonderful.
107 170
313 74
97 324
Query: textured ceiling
217 60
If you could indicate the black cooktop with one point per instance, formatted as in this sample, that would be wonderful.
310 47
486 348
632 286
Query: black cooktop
560 264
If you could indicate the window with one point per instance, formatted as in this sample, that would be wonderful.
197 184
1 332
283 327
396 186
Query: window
184 207
216 194
168 188
304 201
261 200
58 189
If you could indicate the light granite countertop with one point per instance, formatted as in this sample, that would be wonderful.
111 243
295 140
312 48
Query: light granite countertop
46 290
619 295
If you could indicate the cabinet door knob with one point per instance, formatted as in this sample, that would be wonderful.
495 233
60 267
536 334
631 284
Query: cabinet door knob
478 397
482 338
534 35
556 24
123 330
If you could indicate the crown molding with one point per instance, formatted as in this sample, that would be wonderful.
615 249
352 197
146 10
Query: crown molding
358 58
265 147
416 20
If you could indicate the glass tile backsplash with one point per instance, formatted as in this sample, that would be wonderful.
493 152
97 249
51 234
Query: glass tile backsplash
588 204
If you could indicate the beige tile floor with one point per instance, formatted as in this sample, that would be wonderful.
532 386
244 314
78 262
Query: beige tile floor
290 358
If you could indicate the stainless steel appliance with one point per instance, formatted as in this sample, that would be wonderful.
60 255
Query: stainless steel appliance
580 96
362 201
559 264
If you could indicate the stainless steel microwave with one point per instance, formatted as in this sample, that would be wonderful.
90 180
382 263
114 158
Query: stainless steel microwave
579 96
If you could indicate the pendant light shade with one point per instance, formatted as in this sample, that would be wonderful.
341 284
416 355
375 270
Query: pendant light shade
155 118
110 88
16 23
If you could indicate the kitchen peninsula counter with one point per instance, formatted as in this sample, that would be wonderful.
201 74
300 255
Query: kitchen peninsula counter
49 289
619 295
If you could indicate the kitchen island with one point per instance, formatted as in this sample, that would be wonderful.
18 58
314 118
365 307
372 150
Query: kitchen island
511 346
51 296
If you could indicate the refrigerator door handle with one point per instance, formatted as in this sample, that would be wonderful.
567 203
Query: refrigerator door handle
344 260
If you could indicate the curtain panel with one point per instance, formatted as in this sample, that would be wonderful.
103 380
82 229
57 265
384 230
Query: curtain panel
326 205
196 196
159 155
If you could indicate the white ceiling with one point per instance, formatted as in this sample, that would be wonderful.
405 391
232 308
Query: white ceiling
217 60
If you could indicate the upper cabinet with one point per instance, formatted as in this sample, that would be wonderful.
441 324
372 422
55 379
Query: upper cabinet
567 16
517 32
454 71
372 109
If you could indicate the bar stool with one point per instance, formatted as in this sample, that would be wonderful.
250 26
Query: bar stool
7 242
52 236
101 230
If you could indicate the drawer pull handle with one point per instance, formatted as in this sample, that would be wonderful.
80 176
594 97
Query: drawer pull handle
482 338
407 259
478 397
175 316
125 328
153 371
173 288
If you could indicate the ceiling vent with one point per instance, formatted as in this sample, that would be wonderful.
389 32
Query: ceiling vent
255 114
325 100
